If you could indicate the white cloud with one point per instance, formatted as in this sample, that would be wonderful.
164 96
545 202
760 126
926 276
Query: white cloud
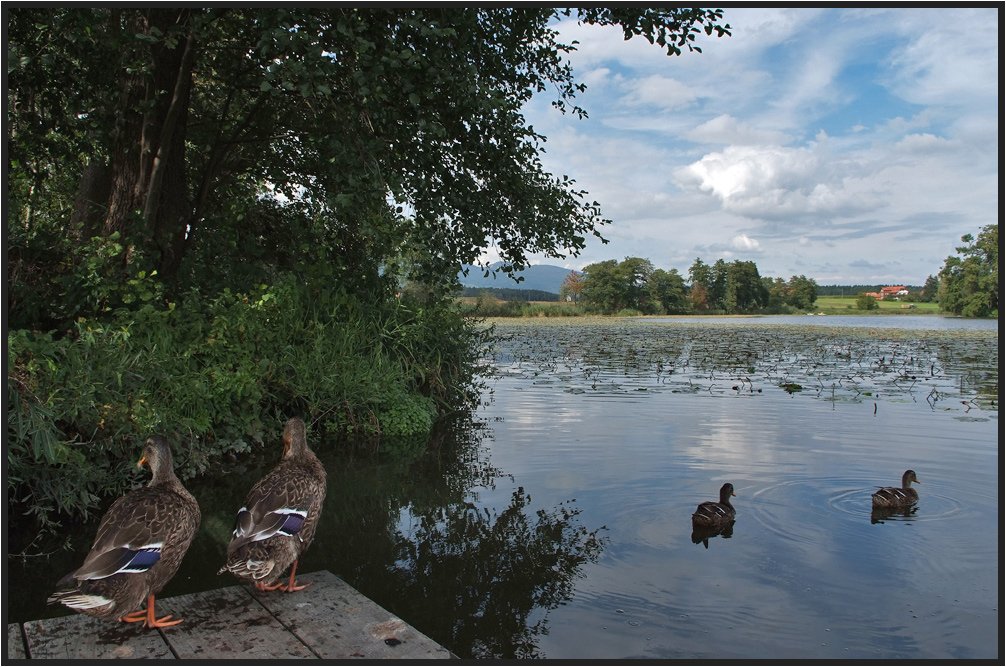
661 92
744 242
722 152
952 57
725 129
924 144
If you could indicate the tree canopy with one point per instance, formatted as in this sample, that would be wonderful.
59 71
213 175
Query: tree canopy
969 284
213 147
734 287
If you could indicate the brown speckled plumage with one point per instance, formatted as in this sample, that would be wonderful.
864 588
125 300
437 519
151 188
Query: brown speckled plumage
280 516
710 513
892 496
140 544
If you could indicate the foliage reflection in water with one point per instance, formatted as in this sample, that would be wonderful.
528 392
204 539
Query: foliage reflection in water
555 522
404 526
639 420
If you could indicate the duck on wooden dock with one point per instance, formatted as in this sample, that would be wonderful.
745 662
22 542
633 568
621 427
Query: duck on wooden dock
140 544
892 496
711 513
277 523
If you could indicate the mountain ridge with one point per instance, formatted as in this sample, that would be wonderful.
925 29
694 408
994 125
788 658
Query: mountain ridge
544 277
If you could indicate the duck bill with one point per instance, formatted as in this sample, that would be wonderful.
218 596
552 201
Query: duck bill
141 462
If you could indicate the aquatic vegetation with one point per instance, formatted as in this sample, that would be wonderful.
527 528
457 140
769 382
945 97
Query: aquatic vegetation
952 370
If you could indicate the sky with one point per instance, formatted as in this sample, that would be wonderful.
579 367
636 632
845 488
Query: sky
852 146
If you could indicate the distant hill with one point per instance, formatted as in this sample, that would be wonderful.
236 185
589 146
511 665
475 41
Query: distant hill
543 277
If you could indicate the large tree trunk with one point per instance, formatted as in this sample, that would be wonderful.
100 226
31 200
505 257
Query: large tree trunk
91 203
148 174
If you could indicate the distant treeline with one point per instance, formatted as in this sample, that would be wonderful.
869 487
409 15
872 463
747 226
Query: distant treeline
855 290
508 293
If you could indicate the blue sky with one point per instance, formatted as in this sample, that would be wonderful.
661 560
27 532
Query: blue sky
848 145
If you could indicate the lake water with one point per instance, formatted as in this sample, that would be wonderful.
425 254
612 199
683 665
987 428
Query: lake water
555 521
929 322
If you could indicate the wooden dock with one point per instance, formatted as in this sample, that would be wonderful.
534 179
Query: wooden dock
328 620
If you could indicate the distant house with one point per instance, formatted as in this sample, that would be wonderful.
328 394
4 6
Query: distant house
893 292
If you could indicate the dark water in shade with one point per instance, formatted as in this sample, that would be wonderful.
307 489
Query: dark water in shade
556 523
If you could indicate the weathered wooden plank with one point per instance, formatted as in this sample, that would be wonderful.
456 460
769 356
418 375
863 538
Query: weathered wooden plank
15 644
81 637
338 622
227 623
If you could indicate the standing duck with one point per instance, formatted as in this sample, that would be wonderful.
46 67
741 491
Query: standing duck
277 523
716 514
140 544
892 496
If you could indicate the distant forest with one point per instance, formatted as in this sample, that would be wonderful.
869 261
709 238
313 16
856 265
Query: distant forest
506 293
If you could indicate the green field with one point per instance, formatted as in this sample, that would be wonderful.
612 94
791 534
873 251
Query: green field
842 305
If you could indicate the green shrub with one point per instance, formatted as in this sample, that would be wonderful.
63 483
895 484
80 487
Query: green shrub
219 376
866 302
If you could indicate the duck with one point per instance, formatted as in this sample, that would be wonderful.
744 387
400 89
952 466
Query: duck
710 513
892 496
280 515
141 541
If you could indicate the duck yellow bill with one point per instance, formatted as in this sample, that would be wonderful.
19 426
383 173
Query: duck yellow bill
142 461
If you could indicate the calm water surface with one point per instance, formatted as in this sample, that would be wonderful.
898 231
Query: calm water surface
556 522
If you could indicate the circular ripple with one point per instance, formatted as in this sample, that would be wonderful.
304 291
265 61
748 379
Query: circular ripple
795 507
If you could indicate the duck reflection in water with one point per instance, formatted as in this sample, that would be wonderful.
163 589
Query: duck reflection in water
896 513
701 534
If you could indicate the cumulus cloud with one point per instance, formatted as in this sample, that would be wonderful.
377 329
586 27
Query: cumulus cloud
772 182
721 154
725 129
744 242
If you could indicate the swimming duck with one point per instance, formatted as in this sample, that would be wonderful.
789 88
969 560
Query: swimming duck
277 523
892 496
140 544
716 514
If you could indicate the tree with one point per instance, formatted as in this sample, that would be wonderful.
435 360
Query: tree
743 290
572 286
717 285
635 276
866 302
803 292
613 286
969 286
602 286
779 293
698 297
217 145
930 290
699 273
667 289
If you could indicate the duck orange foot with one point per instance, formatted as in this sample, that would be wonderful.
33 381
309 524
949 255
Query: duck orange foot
148 618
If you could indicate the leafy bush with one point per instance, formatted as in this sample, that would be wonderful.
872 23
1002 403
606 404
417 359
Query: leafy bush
218 376
866 302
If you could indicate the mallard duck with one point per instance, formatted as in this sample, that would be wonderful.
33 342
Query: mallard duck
140 544
277 523
892 496
716 514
